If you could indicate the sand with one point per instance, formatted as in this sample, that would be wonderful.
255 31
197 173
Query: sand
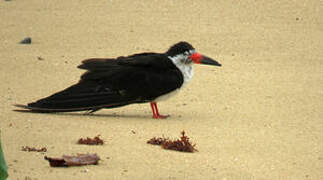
259 116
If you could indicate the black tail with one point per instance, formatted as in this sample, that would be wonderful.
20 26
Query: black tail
82 96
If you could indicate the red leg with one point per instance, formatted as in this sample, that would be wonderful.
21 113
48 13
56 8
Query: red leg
156 114
153 109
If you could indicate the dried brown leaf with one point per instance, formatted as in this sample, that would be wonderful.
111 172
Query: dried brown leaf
79 160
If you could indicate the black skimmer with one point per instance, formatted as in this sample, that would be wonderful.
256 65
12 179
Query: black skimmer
139 78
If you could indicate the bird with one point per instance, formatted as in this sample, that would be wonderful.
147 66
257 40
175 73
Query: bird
115 82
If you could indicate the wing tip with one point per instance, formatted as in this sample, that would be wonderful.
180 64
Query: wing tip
22 106
27 108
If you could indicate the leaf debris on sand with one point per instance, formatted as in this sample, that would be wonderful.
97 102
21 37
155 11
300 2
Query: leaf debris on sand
91 141
29 149
183 144
79 160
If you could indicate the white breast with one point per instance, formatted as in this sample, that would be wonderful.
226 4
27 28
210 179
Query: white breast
187 71
186 68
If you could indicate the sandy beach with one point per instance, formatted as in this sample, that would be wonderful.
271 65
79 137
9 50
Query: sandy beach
258 117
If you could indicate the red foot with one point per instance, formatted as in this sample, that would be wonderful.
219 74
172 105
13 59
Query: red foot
156 114
160 116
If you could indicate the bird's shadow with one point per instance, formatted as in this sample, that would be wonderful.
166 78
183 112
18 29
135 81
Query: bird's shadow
78 114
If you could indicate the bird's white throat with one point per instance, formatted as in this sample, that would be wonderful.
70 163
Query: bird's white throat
185 67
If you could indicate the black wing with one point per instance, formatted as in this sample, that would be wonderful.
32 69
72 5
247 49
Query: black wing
112 83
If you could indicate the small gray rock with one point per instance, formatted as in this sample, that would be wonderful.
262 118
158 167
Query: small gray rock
27 40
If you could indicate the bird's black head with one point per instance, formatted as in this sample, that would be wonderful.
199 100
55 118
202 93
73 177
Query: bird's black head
179 48
183 52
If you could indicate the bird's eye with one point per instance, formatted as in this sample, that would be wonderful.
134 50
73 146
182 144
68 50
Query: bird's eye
191 52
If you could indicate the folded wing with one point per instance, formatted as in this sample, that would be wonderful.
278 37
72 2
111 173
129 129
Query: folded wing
110 83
